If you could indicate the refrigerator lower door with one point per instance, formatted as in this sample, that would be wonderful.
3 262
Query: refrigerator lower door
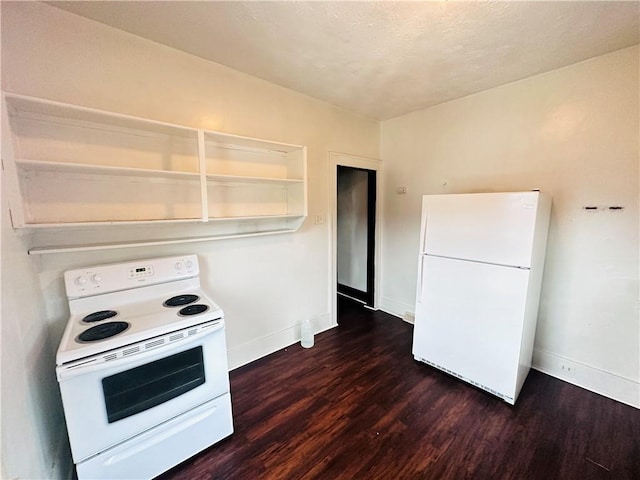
469 321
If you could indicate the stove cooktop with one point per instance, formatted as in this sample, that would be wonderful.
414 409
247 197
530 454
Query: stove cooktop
117 318
132 322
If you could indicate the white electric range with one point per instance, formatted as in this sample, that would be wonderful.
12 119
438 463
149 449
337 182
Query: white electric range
142 368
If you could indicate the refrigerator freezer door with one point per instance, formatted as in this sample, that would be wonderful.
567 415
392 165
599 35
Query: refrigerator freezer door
487 227
469 320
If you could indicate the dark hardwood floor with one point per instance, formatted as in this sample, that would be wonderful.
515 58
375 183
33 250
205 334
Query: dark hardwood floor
357 406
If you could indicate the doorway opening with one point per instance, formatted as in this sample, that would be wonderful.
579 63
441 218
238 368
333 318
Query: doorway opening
356 227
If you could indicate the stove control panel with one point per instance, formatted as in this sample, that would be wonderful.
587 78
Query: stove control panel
120 276
139 272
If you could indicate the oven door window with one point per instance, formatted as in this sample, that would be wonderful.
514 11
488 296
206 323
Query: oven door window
136 390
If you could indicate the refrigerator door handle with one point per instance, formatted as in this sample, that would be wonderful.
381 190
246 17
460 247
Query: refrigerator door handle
423 240
420 279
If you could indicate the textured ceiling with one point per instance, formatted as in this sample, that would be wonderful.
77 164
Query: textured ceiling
380 59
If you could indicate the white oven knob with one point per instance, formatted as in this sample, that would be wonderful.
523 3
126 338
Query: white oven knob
97 278
189 263
179 265
81 280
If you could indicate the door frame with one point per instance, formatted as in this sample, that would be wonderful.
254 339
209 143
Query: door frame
342 159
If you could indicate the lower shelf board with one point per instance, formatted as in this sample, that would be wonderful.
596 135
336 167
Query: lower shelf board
147 243
60 226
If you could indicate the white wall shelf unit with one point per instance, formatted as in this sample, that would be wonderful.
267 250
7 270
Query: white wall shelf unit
74 168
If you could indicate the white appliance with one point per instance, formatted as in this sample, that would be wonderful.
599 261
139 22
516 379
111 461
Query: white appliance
142 368
479 277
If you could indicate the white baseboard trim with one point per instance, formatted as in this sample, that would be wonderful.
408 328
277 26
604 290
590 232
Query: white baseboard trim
616 387
263 346
396 308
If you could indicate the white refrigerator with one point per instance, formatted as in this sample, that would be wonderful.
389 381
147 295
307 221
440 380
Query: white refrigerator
479 276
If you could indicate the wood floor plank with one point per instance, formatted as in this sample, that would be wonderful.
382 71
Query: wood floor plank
357 406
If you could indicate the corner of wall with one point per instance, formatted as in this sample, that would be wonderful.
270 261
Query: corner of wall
397 308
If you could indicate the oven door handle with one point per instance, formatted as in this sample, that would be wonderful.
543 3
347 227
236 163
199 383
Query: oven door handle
65 372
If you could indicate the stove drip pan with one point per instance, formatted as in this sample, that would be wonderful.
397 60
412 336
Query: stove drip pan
180 300
99 316
193 310
102 331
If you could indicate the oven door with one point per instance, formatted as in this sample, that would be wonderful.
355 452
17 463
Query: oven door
108 402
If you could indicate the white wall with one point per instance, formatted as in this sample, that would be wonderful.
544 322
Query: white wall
34 443
573 133
266 285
